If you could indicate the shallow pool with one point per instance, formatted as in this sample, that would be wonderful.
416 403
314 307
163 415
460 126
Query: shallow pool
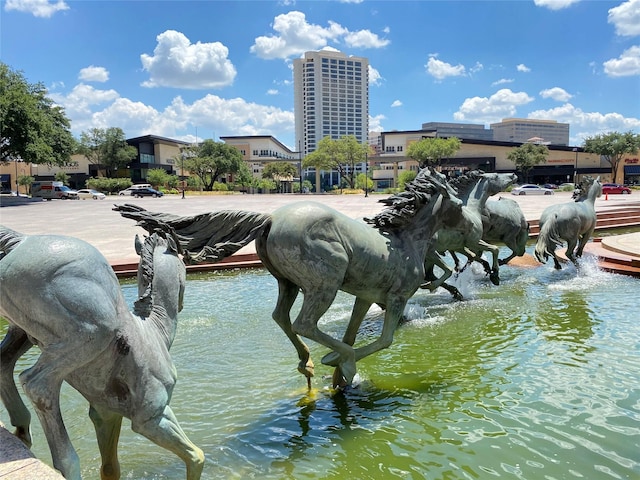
538 377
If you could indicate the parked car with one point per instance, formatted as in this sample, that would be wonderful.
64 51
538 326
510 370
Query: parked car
609 188
530 189
85 193
127 191
550 186
145 192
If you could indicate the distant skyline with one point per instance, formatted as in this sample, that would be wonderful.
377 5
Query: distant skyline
222 68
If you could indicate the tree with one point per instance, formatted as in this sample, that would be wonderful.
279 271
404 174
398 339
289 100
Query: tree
526 156
25 181
61 176
405 177
364 182
158 177
244 177
279 172
106 147
32 127
431 151
209 160
612 147
342 155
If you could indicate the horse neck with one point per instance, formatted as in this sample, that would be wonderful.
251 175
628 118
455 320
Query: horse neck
426 222
477 196
166 294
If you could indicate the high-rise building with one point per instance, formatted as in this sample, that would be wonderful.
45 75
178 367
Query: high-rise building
331 98
523 130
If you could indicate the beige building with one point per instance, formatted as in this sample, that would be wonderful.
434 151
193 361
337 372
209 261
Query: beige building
563 162
522 130
260 150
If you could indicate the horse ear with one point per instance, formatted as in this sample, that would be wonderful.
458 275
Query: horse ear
138 245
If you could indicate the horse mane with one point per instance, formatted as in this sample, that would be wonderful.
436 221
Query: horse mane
465 182
159 238
403 206
582 189
9 239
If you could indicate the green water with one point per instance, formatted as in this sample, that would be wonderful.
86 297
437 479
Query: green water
537 378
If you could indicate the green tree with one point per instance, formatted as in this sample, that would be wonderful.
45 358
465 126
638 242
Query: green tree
244 177
61 176
364 182
107 148
405 177
528 155
158 177
342 155
25 181
209 160
279 172
32 128
613 147
431 151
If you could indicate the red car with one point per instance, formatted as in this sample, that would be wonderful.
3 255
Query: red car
609 188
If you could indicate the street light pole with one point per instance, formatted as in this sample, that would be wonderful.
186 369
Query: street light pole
366 174
575 166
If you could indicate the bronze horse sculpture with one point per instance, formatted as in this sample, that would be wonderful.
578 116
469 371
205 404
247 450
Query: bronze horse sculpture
312 248
504 222
573 222
466 236
61 294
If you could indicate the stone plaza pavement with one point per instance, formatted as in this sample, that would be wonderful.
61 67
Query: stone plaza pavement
95 222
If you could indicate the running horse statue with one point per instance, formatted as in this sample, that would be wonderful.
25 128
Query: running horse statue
61 294
312 248
465 236
504 222
573 222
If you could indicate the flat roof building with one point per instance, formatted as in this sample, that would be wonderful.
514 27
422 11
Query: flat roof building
523 130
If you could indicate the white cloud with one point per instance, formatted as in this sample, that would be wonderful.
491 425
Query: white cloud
294 36
441 70
38 8
555 4
94 74
502 81
178 63
365 39
80 103
272 91
501 104
374 76
396 103
627 64
585 124
626 18
523 68
556 93
375 123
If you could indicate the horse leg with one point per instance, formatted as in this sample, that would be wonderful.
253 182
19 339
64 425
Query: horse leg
434 258
571 246
360 309
395 308
315 303
41 383
494 274
165 431
287 294
107 425
584 239
15 343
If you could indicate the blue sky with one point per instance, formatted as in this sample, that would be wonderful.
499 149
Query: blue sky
218 68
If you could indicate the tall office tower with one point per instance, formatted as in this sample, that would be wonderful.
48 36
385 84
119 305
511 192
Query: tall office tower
331 98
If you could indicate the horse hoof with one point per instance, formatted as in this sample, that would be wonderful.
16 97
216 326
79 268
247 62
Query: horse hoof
338 381
307 369
495 279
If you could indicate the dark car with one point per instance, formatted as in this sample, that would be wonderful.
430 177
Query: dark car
609 188
146 192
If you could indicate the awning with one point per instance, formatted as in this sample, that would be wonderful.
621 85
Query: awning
632 169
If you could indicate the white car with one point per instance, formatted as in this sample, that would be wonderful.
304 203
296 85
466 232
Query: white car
89 193
530 189
129 191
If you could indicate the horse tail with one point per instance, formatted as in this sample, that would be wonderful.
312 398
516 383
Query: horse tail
548 239
207 237
9 239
